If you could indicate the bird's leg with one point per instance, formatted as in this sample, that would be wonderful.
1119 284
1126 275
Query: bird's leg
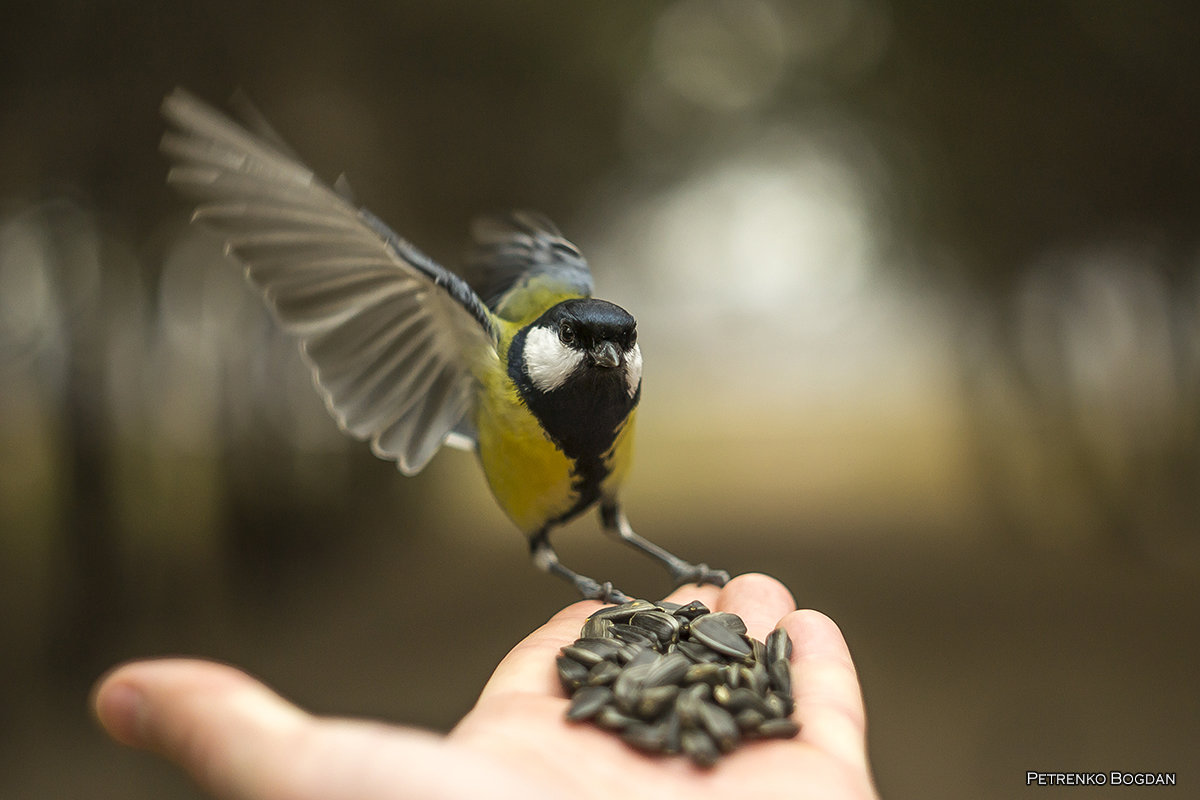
615 524
547 560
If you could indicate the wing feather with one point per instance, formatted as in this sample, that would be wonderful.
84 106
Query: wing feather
391 336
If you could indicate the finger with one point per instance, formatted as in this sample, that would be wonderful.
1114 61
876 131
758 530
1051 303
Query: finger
241 741
210 719
529 667
761 601
829 704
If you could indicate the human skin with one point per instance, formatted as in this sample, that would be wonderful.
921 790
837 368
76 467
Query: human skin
240 740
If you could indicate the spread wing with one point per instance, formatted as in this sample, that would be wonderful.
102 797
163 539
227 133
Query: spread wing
390 335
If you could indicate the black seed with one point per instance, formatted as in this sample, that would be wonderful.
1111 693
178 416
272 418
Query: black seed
749 720
655 700
755 677
603 674
629 652
697 652
692 610
667 606
720 725
612 719
586 657
667 669
622 612
780 677
631 635
605 648
644 655
672 730
779 646
571 673
778 729
588 701
663 626
709 673
689 703
731 621
699 747
778 705
649 738
738 700
596 628
628 687
712 630
785 702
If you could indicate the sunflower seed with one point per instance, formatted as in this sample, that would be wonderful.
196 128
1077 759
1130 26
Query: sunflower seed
710 673
786 702
623 612
779 646
631 635
612 719
643 656
755 677
737 700
780 673
697 652
571 673
713 631
661 625
692 610
731 621
588 701
628 687
777 706
750 720
603 674
672 678
777 729
596 628
721 726
655 700
644 736
689 703
668 669
699 747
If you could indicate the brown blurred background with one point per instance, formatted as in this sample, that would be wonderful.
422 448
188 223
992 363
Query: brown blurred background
918 286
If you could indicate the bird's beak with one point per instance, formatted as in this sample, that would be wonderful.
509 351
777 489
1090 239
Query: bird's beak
605 354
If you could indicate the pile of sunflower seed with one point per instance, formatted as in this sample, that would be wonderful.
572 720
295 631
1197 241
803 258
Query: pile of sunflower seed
670 678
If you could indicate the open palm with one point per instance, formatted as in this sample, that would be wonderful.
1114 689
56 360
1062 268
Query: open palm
240 740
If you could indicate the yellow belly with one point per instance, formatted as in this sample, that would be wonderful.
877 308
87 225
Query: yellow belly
529 475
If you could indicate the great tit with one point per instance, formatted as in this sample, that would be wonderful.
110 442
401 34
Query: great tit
517 361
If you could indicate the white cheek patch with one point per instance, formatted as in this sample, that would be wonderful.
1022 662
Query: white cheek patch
548 361
633 369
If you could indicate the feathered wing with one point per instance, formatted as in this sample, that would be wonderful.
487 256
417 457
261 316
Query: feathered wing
391 336
523 246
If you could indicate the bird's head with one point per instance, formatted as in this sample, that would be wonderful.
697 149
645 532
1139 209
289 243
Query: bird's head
583 339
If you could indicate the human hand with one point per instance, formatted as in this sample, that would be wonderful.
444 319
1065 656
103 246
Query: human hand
239 740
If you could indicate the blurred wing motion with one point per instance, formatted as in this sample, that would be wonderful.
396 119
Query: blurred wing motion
391 336
521 249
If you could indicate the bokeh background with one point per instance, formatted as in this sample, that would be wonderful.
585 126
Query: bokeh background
918 286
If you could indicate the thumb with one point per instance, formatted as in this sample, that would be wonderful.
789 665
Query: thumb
218 723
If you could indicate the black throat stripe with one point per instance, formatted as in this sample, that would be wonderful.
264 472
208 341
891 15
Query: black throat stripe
582 417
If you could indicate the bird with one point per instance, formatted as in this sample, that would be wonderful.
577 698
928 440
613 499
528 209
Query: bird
513 358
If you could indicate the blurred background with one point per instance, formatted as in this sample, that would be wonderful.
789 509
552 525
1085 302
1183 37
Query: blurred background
918 286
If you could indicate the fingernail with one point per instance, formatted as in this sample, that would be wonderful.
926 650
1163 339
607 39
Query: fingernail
121 709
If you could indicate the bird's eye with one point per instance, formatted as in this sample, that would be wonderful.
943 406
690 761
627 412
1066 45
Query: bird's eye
566 334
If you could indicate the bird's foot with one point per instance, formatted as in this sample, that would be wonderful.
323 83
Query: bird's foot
701 573
604 592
